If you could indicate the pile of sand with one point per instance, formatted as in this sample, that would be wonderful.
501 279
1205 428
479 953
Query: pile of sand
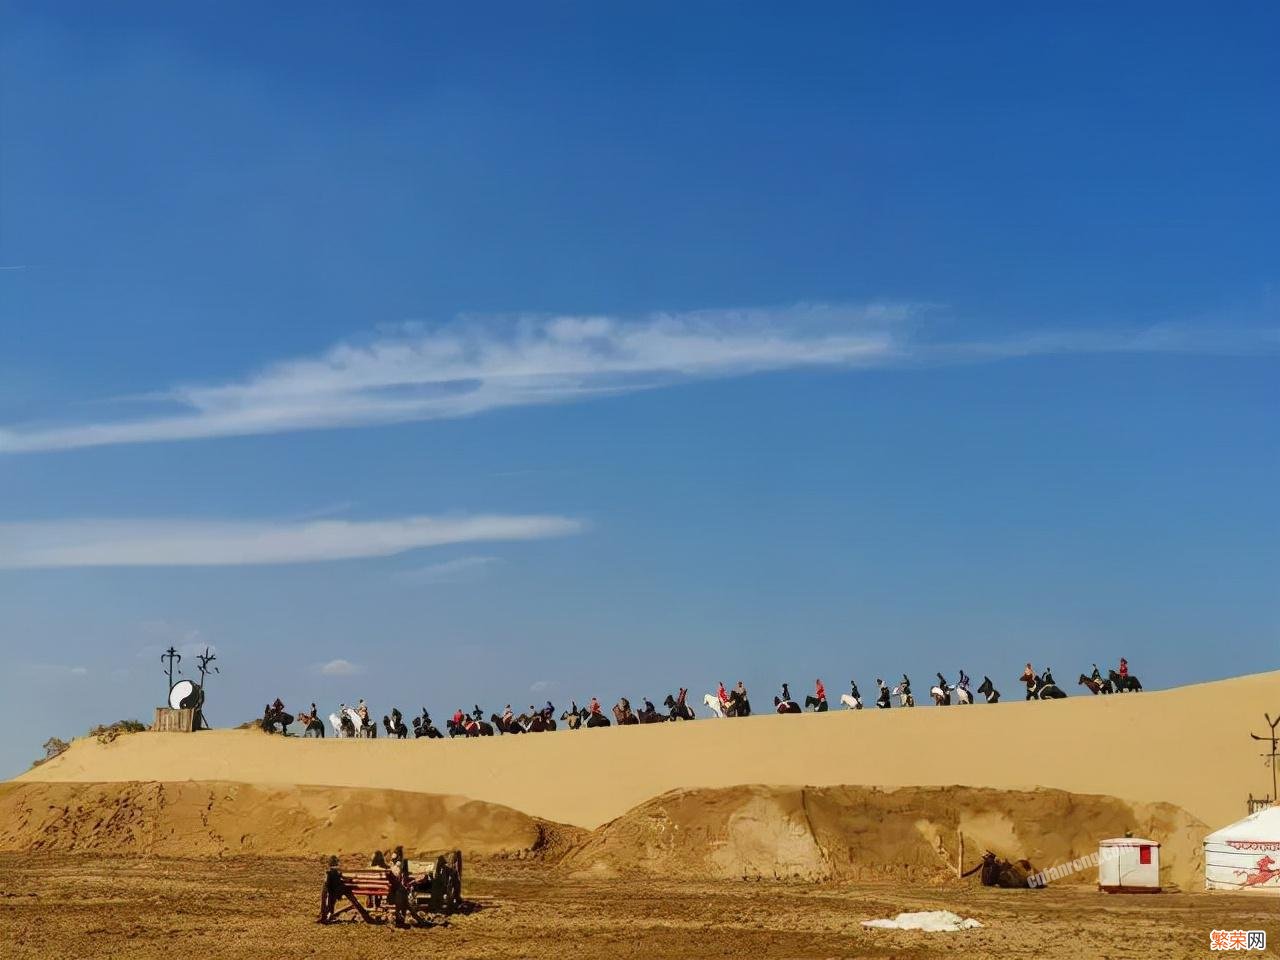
212 819
810 833
820 833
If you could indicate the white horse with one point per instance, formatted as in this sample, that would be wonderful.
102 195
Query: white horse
358 722
713 704
850 701
963 696
335 722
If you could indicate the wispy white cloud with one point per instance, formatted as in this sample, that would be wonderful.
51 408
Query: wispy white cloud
543 686
470 366
139 543
473 365
339 668
460 570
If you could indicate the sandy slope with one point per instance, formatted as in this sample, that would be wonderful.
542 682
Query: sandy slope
1188 746
860 833
726 833
212 819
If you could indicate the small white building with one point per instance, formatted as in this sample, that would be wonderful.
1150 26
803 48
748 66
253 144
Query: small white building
1129 865
1245 856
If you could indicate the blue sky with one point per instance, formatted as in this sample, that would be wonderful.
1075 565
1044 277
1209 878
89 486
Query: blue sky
601 350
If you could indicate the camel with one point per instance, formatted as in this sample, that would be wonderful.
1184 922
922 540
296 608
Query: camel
1121 684
1095 686
677 708
786 706
988 690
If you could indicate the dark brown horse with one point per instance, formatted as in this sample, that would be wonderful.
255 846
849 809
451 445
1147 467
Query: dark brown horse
1096 686
678 709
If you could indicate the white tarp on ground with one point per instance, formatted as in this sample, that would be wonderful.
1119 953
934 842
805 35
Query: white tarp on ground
1245 855
931 921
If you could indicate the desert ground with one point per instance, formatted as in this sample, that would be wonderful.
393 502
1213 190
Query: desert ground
243 908
761 837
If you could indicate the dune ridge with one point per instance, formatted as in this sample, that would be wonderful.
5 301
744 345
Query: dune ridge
1187 746
859 833
727 833
212 818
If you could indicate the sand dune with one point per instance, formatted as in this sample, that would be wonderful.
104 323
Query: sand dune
212 819
857 833
729 833
1188 746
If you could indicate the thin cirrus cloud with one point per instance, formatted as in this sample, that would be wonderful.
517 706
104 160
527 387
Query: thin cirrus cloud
472 365
148 543
459 570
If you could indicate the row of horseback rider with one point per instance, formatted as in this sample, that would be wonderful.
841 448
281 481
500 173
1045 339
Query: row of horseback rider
356 721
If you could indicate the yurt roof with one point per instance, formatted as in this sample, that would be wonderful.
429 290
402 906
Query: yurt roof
1263 825
1129 842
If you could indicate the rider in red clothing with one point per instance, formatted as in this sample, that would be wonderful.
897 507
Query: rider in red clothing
820 691
595 705
723 695
1124 668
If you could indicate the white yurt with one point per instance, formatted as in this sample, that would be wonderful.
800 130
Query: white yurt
1245 855
1129 865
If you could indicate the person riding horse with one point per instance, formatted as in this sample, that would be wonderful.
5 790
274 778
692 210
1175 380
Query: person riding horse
676 706
274 713
882 698
819 699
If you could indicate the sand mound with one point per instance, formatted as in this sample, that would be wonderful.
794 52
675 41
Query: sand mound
209 819
819 833
1182 746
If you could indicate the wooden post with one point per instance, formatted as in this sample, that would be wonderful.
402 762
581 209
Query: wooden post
960 860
